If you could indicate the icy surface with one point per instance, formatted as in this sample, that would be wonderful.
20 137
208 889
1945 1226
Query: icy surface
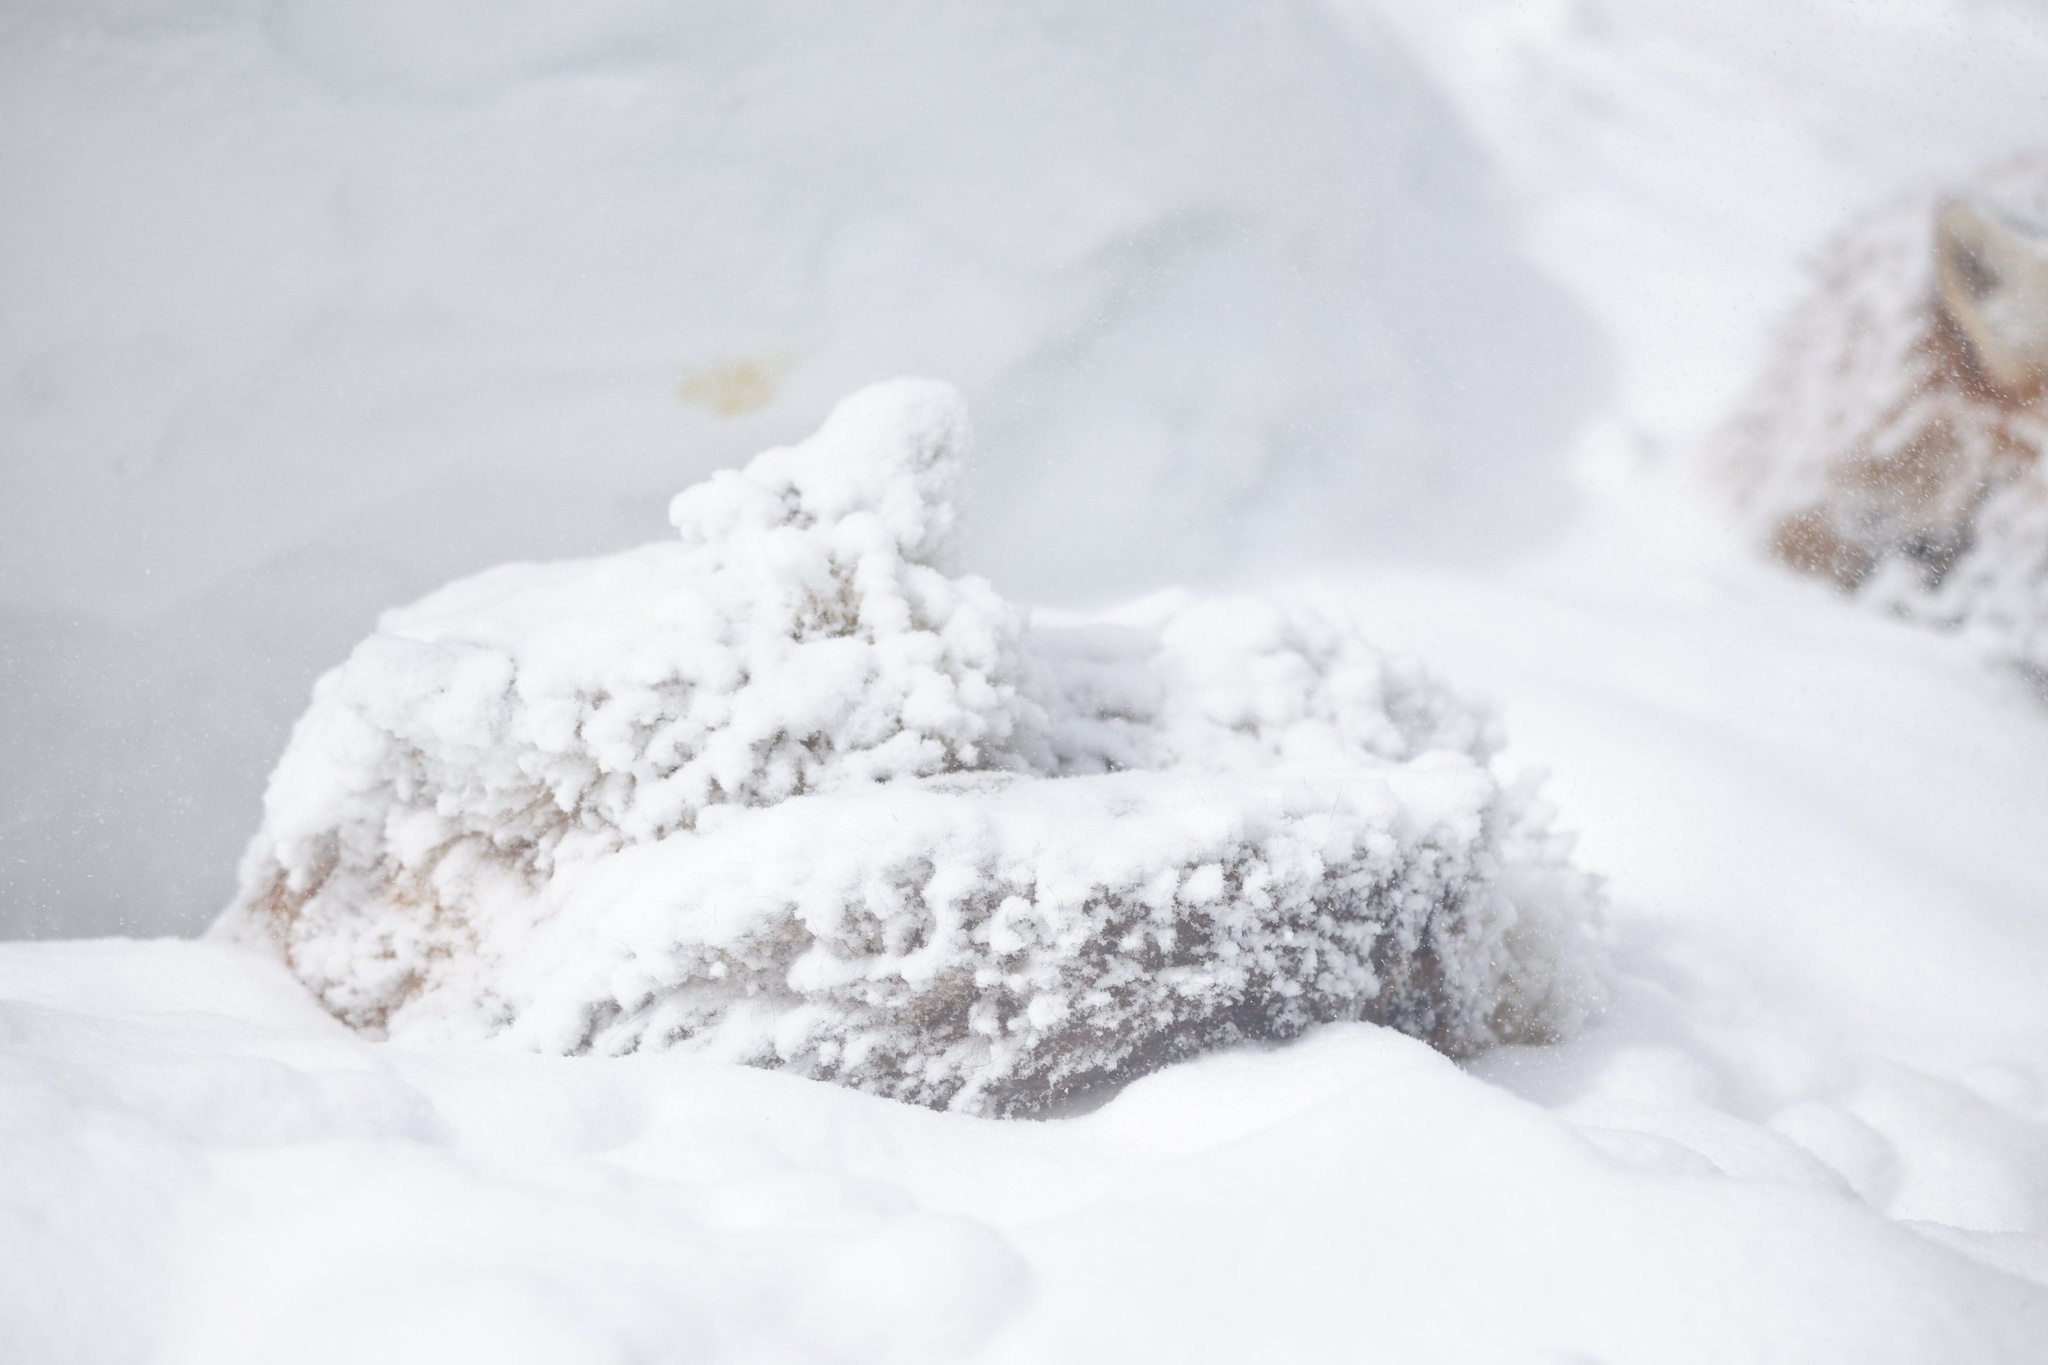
786 791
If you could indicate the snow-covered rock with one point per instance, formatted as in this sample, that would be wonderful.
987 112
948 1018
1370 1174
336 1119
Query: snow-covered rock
786 790
1895 443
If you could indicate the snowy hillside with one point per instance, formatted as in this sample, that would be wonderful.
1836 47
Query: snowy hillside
1410 317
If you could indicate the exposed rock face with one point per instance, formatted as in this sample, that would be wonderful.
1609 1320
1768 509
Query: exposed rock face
787 791
1895 442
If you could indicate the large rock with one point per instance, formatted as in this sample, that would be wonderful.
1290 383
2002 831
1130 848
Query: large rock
786 790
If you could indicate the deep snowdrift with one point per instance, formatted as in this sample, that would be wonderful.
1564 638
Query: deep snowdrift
787 791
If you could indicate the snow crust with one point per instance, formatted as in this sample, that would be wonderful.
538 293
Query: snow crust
1877 451
785 791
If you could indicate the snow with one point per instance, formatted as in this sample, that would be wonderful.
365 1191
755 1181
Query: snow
785 791
1812 1120
1705 1176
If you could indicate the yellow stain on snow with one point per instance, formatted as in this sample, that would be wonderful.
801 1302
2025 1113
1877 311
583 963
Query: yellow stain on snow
732 388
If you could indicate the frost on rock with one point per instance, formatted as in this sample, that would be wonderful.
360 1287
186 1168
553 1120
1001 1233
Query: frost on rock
1895 443
787 791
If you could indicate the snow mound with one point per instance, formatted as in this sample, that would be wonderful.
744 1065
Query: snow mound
1895 442
786 791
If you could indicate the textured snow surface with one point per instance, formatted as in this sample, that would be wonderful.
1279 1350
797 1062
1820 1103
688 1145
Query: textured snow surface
786 791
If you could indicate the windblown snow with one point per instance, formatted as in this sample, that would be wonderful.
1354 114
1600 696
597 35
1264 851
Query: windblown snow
786 791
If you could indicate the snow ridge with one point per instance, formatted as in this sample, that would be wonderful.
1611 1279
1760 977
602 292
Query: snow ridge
787 791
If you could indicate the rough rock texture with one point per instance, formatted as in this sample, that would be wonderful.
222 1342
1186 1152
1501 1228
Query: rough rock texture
1895 441
787 791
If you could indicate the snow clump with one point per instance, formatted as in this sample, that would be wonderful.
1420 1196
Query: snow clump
788 791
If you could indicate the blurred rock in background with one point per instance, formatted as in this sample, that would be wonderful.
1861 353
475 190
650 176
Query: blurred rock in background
1894 444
